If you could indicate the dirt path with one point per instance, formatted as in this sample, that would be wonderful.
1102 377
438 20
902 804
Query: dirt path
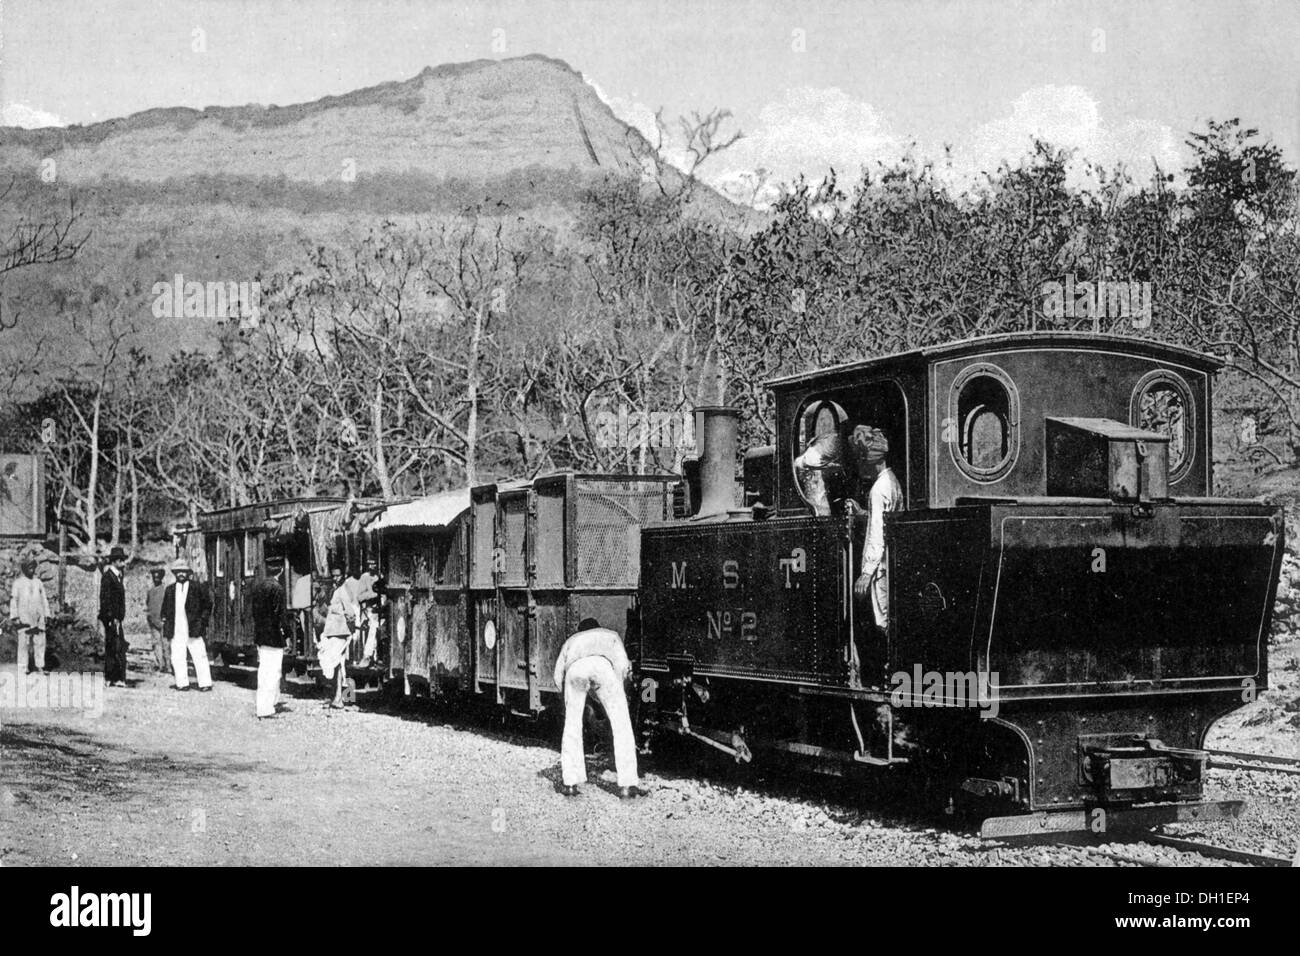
168 778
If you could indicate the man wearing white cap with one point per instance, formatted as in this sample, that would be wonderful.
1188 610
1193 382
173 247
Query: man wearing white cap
186 607
28 609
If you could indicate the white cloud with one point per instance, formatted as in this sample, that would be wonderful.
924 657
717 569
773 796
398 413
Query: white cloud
20 114
1068 117
808 131
811 130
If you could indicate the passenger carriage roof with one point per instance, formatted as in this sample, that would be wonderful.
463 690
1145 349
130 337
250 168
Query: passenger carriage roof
991 343
249 517
433 511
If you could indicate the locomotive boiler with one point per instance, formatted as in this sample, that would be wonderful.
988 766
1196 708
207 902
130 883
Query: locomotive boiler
1069 607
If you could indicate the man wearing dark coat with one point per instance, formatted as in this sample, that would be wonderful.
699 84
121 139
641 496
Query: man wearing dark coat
187 605
266 604
112 609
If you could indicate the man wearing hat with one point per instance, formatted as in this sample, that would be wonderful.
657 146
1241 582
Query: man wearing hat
153 604
112 608
871 449
28 609
186 607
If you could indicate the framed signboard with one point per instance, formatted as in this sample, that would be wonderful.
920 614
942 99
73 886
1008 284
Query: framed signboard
22 496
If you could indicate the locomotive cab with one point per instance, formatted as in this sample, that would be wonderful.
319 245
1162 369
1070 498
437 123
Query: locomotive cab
1069 608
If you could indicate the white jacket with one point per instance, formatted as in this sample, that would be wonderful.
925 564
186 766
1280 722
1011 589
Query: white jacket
28 603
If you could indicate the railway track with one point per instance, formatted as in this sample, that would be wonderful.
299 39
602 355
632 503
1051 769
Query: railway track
1181 844
1215 759
1258 763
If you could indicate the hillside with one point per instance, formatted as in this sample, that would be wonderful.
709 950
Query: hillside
229 194
476 120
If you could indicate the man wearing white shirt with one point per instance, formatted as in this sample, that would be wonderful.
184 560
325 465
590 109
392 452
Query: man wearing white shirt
340 625
593 661
870 448
28 609
186 607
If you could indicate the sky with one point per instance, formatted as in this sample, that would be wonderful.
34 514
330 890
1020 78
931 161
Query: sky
811 85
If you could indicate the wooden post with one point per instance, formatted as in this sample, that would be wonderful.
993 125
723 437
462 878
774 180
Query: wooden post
63 561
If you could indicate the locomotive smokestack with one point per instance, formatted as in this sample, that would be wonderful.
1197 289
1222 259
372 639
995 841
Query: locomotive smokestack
717 428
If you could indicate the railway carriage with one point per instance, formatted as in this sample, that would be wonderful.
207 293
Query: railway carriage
237 542
1069 607
303 535
422 546
545 554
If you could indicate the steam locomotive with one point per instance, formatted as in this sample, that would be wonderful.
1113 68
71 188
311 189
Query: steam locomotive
1069 607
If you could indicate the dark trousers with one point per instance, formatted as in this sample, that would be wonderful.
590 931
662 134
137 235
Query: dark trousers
114 651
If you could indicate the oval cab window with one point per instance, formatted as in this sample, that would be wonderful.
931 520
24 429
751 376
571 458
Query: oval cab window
983 425
1162 403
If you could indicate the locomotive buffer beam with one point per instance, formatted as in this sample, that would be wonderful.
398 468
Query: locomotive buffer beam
1049 826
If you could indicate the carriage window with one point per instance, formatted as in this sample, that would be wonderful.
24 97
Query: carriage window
1162 403
982 427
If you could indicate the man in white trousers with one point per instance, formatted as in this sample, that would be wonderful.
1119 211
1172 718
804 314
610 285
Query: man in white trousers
186 609
28 609
593 660
267 609
871 448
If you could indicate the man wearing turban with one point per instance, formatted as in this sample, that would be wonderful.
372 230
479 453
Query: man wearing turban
871 450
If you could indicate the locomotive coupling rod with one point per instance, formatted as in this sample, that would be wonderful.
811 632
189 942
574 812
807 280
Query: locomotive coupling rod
738 750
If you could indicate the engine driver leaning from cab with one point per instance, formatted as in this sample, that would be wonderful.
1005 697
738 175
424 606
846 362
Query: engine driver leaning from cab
822 473
870 449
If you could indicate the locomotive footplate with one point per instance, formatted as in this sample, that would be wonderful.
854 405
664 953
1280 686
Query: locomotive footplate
1125 769
1045 825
